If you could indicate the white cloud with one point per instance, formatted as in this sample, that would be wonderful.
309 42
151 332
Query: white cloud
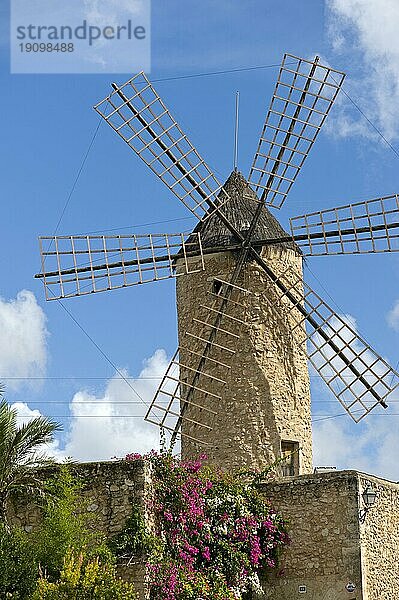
112 424
112 13
371 447
365 33
107 12
109 424
393 317
23 350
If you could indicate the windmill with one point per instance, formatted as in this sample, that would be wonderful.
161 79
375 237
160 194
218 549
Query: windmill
248 323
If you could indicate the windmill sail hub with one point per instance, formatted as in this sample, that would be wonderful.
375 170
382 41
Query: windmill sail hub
239 211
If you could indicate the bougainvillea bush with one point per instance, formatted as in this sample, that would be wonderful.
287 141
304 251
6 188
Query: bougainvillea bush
212 537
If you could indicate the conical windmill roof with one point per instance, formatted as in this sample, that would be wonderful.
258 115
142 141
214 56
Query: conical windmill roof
240 210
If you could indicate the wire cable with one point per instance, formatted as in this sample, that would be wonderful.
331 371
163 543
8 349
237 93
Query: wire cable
109 416
328 417
71 191
136 226
212 73
371 123
104 378
103 354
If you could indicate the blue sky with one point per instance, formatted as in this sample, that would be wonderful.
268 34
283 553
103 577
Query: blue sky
47 125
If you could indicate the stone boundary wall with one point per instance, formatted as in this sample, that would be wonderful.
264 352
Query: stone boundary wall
324 556
330 547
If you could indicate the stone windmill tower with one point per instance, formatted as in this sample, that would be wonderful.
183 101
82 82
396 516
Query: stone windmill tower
238 386
263 394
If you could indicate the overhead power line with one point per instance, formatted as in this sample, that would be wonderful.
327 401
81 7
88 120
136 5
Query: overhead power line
129 402
136 226
113 378
75 181
388 143
69 416
212 73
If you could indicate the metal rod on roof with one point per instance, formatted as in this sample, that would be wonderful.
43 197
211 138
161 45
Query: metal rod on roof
235 160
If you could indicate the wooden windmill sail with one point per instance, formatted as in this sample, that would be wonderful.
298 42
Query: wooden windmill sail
248 301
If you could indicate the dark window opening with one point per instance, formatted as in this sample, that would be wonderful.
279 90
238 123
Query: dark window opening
217 287
290 456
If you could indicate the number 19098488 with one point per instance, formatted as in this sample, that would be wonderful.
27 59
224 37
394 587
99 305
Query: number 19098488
46 47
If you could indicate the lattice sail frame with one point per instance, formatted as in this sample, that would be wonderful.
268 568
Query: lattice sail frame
138 115
356 375
303 96
80 265
360 228
165 408
175 394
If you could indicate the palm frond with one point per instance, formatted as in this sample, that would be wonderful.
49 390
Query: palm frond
8 423
22 454
34 433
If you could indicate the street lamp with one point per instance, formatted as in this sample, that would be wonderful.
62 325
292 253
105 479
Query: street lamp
369 496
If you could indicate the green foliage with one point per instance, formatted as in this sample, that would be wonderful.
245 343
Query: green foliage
18 565
83 579
67 525
134 539
67 544
76 562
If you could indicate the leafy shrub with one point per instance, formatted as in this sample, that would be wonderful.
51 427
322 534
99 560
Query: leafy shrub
134 539
67 525
66 528
83 579
18 565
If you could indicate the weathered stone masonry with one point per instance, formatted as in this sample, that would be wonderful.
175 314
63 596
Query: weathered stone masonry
330 546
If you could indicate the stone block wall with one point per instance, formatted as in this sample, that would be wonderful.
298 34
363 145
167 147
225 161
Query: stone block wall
330 547
325 552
